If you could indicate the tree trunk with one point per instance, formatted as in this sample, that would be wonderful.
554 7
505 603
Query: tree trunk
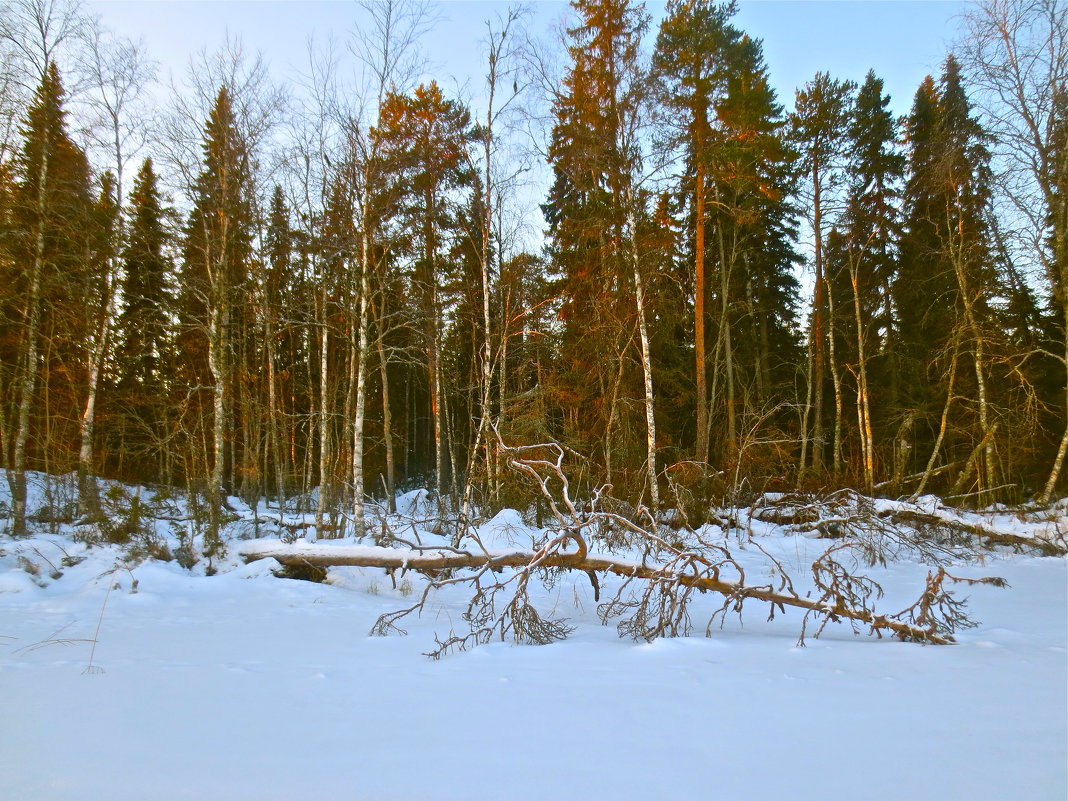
701 453
447 559
88 500
436 405
324 416
968 301
836 378
345 435
274 430
358 488
486 255
942 427
818 323
725 334
387 415
1060 271
28 384
863 408
647 365
217 365
806 414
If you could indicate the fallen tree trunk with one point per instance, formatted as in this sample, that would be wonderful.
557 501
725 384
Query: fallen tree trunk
843 515
916 518
668 574
437 559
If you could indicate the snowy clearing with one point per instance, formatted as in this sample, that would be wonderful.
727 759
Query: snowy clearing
243 685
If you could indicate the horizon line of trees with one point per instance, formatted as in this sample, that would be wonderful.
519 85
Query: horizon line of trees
341 302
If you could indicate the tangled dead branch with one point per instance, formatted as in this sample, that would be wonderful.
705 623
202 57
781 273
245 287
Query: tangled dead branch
660 579
935 535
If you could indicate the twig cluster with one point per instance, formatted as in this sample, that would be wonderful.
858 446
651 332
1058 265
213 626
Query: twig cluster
653 600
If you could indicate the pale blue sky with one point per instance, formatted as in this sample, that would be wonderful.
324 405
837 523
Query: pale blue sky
902 40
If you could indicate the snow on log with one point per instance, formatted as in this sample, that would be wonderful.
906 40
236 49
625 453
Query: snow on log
433 559
917 518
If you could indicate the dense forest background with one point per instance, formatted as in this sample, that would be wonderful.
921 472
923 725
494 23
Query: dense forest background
331 289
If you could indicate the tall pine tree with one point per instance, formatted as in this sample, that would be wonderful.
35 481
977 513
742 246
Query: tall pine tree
212 305
596 214
755 228
143 350
50 212
946 285
694 56
424 141
862 260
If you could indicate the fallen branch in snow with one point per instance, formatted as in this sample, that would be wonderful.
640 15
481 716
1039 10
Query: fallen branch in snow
987 535
848 514
702 578
668 573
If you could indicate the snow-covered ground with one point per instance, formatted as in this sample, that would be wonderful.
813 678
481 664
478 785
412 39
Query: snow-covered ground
247 686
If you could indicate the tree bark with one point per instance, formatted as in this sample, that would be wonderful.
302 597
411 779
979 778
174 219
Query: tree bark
836 379
324 415
647 365
701 453
387 415
28 384
863 401
362 322
451 559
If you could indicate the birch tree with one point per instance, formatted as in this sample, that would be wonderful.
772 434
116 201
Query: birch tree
34 33
1015 53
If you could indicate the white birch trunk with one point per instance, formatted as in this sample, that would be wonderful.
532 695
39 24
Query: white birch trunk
324 419
29 377
643 334
358 488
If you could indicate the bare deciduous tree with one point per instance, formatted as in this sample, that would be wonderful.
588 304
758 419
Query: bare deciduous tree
117 73
1016 54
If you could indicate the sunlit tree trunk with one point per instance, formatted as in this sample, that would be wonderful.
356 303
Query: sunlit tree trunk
29 377
647 365
387 415
325 478
867 443
701 453
361 354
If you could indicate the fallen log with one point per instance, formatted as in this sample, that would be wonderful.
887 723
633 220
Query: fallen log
435 559
915 518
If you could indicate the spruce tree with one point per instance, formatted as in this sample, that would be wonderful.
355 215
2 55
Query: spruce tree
755 228
862 261
147 286
424 142
691 66
946 286
50 213
212 305
277 295
922 291
143 350
595 212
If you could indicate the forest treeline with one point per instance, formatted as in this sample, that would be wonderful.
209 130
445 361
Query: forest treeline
257 292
